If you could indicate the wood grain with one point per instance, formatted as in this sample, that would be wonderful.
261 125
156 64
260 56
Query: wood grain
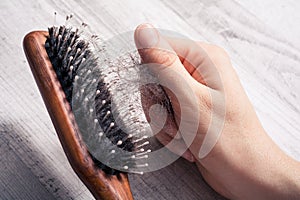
19 185
264 50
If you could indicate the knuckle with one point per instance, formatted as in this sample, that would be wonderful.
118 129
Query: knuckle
166 58
214 50
220 51
163 57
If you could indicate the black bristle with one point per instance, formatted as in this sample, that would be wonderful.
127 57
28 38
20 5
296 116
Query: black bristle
60 51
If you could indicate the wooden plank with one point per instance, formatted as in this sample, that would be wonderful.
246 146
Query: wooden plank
180 180
265 55
16 180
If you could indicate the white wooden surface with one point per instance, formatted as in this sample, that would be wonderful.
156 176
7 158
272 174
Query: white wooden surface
262 38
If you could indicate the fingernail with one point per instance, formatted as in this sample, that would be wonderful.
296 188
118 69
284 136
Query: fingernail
178 134
147 36
191 158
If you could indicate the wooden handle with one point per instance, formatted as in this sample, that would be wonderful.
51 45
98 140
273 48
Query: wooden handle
101 185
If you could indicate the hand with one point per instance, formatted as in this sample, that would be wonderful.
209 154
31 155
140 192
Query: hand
229 145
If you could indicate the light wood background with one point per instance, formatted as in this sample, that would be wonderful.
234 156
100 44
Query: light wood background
262 38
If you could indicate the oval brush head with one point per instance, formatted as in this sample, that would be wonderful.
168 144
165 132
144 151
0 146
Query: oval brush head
105 101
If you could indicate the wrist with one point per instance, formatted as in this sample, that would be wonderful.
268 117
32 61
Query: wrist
252 167
271 173
292 178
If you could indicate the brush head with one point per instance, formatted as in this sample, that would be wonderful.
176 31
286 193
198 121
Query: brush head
106 99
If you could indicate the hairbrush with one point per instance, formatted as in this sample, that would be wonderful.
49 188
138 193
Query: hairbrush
95 106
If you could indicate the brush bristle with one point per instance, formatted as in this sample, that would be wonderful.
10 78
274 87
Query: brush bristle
73 60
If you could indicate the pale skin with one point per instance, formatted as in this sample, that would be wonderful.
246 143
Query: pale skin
244 163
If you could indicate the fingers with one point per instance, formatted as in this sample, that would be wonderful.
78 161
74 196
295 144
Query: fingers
200 61
180 86
162 121
188 74
190 55
186 57
176 146
162 60
160 117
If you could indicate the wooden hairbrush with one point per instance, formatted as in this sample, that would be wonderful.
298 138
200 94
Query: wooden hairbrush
100 184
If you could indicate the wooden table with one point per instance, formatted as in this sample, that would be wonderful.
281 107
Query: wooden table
262 38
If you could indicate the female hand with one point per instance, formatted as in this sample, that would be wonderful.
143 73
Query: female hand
216 121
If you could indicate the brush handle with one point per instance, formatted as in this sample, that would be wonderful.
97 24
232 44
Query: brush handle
101 185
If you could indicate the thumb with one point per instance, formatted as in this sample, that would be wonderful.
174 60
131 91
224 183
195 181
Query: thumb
181 87
162 60
158 53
